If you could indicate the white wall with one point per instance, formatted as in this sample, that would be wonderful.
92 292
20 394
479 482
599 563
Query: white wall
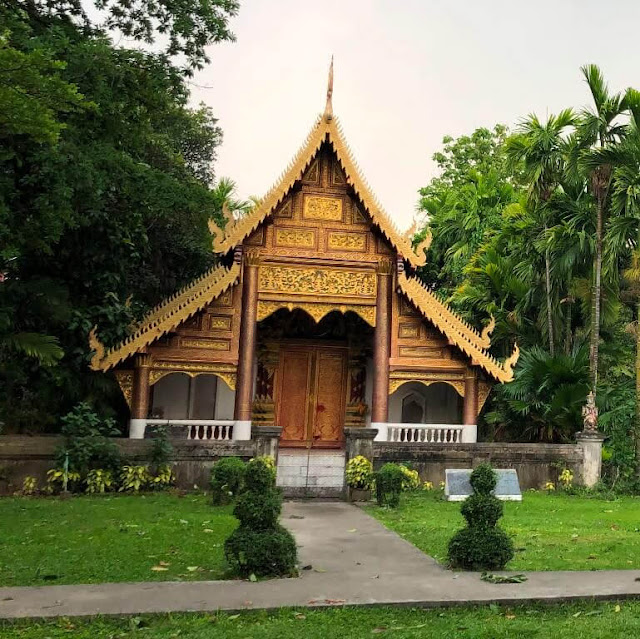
203 390
442 404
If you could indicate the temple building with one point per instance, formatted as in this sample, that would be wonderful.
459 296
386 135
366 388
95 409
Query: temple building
312 320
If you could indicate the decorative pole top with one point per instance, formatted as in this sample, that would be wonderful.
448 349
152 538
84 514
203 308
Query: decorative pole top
328 109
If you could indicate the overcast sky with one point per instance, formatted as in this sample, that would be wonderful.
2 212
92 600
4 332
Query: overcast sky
406 74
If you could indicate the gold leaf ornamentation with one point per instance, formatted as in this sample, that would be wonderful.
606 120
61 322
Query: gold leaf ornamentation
318 310
318 207
316 281
305 238
347 241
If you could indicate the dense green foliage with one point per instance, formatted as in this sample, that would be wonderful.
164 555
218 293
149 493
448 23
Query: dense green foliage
105 188
481 544
539 229
227 480
260 546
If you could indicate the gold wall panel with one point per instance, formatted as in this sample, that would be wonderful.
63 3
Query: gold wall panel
217 322
399 378
317 207
419 351
209 344
408 330
304 238
340 241
316 281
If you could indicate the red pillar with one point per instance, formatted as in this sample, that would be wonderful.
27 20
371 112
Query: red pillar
381 347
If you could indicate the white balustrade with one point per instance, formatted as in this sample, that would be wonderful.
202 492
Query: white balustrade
200 429
428 433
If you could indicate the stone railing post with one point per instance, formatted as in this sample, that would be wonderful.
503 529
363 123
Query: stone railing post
266 440
591 443
359 441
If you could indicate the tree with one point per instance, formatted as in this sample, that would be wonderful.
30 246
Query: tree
103 209
186 27
597 128
540 148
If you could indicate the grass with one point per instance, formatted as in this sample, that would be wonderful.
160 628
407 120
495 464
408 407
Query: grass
550 532
582 620
112 538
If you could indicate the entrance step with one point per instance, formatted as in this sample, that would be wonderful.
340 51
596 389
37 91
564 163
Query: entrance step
316 473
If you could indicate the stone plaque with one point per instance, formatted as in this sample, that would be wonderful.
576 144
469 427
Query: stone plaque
458 488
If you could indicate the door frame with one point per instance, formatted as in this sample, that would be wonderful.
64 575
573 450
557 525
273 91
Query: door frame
313 347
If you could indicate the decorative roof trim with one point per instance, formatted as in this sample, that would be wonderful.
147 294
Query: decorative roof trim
459 332
166 316
324 129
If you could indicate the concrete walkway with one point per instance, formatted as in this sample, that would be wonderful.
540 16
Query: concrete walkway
354 561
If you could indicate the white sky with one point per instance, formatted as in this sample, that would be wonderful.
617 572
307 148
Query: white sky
406 74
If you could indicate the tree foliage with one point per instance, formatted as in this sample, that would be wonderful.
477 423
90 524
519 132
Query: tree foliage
106 188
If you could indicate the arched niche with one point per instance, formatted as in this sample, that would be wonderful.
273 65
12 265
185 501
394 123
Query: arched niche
433 403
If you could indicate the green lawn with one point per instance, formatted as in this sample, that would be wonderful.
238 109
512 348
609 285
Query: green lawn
550 532
583 621
111 538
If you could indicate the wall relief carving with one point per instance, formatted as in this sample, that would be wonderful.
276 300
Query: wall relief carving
318 207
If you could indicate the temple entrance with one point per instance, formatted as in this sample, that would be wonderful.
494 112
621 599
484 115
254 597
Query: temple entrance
311 396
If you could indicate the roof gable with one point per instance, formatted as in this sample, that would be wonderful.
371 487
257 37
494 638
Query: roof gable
326 128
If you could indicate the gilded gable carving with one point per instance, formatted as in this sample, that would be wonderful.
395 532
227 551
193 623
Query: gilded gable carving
346 241
312 174
314 281
286 210
305 238
317 207
337 175
212 344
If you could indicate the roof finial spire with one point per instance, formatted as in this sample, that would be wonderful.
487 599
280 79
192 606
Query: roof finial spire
328 110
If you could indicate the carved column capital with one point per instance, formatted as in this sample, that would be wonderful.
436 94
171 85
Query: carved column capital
385 267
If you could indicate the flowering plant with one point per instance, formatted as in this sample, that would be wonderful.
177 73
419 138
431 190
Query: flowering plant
411 479
359 473
566 478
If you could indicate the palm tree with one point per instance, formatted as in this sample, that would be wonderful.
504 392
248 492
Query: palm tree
539 149
227 205
597 128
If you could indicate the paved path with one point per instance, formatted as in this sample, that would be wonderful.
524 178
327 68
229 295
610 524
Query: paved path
355 561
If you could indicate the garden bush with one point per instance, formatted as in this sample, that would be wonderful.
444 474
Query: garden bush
260 546
86 441
390 480
227 480
481 545
359 473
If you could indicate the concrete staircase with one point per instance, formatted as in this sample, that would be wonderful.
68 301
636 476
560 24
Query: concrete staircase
315 473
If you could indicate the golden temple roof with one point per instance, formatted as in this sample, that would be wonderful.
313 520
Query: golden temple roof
459 332
166 316
326 128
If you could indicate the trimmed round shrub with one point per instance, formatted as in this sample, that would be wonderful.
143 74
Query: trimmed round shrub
227 480
481 545
260 546
258 511
389 484
482 510
263 553
260 475
480 549
483 479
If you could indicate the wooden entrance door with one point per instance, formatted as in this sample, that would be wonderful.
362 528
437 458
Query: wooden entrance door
311 395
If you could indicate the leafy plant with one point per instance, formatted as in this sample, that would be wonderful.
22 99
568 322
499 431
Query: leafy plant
29 485
134 478
390 480
56 478
227 479
161 448
164 477
99 480
359 473
411 479
86 441
260 546
481 545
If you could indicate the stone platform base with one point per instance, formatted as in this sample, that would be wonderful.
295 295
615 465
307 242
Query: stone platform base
315 473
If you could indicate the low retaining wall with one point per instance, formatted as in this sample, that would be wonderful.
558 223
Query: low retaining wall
534 463
22 456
